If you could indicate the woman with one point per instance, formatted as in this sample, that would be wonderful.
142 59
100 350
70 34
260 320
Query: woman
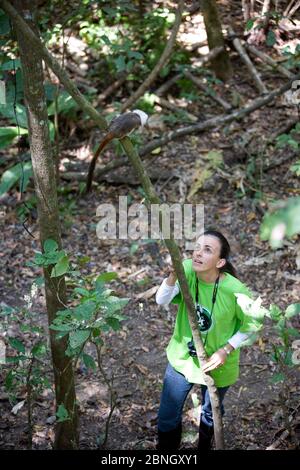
223 326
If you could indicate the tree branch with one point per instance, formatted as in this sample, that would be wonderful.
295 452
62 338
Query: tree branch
215 97
247 61
266 58
202 126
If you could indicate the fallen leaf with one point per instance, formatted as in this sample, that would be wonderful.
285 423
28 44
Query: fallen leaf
142 369
147 294
17 407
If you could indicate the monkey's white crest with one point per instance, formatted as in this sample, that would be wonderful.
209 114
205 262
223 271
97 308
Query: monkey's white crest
143 116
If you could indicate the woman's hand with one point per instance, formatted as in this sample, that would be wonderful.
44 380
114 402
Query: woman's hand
216 360
172 276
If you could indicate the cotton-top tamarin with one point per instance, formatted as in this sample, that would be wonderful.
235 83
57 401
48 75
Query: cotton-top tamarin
119 127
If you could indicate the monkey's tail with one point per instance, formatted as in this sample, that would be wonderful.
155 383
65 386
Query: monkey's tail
102 144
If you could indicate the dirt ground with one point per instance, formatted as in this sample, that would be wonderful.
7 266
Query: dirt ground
136 355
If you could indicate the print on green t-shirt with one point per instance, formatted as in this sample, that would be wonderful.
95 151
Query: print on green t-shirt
227 319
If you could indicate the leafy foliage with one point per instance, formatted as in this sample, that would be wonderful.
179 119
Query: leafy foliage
20 173
282 221
283 355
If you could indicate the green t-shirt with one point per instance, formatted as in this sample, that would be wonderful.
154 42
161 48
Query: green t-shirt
227 319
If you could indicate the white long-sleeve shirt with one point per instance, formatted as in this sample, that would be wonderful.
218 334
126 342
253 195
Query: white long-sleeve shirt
166 293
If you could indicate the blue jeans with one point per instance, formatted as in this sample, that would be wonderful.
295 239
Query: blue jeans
174 393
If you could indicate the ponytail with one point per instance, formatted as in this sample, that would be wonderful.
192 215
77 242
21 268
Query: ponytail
229 268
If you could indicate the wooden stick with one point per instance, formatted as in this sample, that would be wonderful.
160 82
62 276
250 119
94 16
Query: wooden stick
116 178
215 97
265 58
286 11
245 58
200 127
294 9
165 86
111 88
218 120
246 10
285 433
265 12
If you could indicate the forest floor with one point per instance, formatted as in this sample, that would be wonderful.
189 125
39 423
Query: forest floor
136 354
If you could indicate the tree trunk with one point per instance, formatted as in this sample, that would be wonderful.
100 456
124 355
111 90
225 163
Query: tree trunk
221 64
66 436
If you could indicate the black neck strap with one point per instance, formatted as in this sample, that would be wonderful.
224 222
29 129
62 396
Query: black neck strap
214 296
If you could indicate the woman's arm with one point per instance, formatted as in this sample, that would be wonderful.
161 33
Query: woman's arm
166 291
237 339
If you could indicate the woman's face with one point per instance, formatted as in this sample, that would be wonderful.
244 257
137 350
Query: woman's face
206 256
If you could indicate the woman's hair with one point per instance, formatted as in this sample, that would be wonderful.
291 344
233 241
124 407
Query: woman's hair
225 252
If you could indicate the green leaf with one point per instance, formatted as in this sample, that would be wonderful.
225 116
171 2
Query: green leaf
278 377
7 310
50 245
251 307
7 111
9 380
100 287
113 323
89 361
120 63
133 248
62 414
135 55
13 359
14 174
82 291
282 221
106 40
249 24
114 304
39 281
4 24
271 39
61 335
61 267
11 65
2 92
85 311
99 341
293 332
275 312
39 350
16 344
77 338
62 327
96 332
106 277
296 168
65 104
292 310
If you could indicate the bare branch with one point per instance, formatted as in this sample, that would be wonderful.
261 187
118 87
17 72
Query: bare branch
200 127
215 97
247 61
266 58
